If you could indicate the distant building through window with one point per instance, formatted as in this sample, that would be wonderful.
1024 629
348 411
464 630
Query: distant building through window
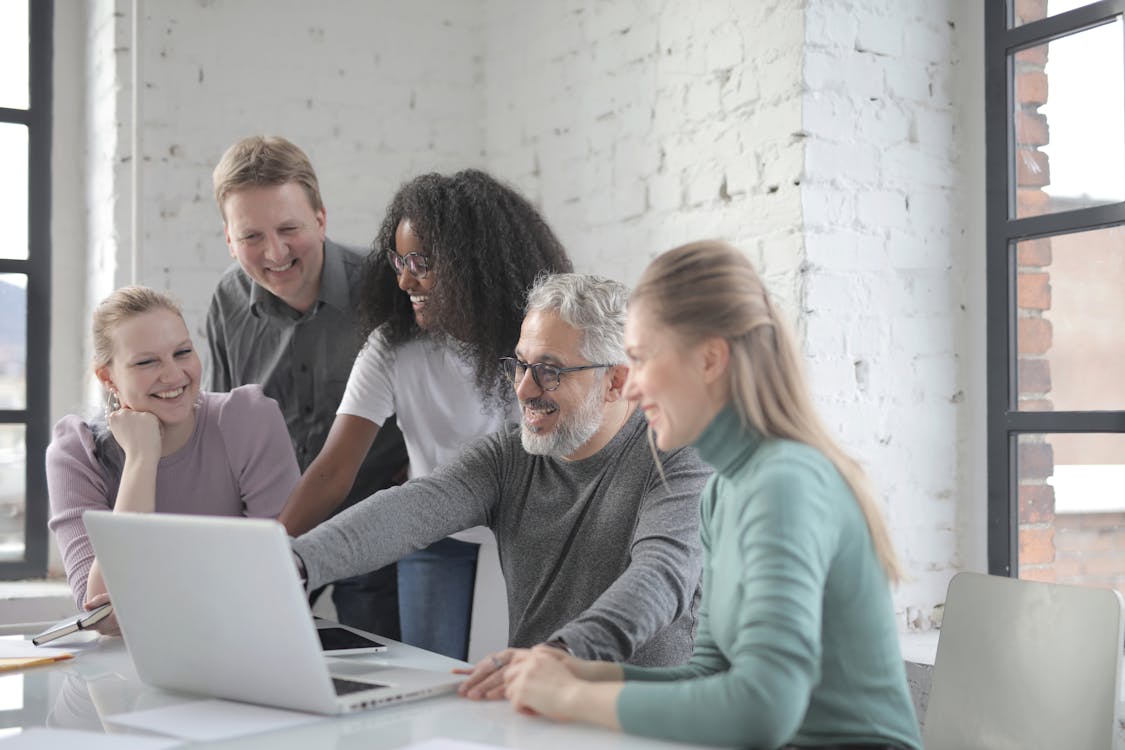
1056 274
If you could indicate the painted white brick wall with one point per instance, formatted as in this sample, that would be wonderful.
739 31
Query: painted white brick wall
820 137
885 294
374 92
638 126
821 141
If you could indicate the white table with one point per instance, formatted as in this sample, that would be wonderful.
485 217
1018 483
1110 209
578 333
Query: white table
100 681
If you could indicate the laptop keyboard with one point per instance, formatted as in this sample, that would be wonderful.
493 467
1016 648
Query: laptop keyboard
344 687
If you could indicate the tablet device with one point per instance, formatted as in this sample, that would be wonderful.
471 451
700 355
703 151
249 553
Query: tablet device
340 640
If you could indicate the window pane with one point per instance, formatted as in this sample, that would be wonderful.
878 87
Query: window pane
13 54
13 190
12 491
1072 508
1069 122
1026 11
13 341
1070 345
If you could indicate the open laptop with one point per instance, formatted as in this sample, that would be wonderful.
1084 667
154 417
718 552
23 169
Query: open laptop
214 606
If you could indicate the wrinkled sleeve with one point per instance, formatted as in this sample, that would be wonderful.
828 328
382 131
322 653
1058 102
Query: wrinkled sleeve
396 521
786 545
75 484
706 658
260 452
660 582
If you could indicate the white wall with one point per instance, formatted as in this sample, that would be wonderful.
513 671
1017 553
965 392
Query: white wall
374 93
821 140
838 142
886 305
638 126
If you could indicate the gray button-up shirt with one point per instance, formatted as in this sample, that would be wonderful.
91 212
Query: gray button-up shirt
301 360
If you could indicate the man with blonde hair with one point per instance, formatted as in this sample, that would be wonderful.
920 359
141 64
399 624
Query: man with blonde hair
284 316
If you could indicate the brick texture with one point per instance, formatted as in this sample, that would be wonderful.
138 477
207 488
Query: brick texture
1037 546
1033 335
1033 291
1033 376
823 138
1037 503
1036 253
1090 549
1035 460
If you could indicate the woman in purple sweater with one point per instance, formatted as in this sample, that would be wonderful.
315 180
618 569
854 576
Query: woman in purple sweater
164 446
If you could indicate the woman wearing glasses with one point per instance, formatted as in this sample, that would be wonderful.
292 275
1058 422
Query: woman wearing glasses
444 289
797 644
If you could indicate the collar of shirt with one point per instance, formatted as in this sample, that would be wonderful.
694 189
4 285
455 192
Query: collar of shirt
334 290
726 443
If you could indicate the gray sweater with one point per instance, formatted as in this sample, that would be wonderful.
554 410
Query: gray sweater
598 552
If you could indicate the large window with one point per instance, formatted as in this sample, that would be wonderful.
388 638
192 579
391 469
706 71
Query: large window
1055 118
25 275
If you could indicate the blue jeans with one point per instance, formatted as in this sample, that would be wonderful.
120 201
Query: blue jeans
435 596
369 601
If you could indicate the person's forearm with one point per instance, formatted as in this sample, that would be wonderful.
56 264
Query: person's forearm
330 476
319 492
136 494
593 702
137 491
95 584
601 671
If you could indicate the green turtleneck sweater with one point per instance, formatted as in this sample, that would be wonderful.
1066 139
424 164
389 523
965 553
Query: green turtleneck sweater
797 640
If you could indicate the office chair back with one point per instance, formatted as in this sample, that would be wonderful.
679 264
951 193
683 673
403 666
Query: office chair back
1025 665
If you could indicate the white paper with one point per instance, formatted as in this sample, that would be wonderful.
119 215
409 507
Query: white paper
211 719
444 743
21 649
52 739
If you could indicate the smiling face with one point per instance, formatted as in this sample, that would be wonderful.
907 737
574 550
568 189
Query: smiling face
154 367
560 422
407 242
278 240
670 380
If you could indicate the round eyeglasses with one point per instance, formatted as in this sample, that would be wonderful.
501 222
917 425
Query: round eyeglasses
418 264
547 377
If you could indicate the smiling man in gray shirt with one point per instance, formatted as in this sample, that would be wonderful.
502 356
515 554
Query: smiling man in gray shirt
600 553
284 316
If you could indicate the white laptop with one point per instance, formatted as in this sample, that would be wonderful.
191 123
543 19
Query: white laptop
214 606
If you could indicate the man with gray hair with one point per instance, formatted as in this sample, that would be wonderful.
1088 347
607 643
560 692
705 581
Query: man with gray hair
600 551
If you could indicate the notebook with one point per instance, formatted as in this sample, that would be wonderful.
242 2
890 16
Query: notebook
214 606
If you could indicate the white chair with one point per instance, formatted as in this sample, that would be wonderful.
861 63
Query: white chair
1025 665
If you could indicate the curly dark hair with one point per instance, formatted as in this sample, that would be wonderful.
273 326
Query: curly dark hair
486 244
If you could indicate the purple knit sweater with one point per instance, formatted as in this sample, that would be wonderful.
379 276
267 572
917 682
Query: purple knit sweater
238 462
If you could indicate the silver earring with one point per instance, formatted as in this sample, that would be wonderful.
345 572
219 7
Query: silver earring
112 403
198 401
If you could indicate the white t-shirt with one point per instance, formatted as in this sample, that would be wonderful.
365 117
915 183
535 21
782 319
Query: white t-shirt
432 389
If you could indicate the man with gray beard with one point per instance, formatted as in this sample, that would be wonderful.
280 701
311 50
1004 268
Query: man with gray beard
598 543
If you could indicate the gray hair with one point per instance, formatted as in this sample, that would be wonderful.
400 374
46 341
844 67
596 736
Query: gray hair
592 305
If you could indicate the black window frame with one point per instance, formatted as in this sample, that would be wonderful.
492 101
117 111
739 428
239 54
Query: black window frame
37 269
1005 422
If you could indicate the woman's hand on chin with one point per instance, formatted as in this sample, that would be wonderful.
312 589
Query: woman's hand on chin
137 432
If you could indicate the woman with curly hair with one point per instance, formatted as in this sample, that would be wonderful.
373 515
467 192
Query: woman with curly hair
443 295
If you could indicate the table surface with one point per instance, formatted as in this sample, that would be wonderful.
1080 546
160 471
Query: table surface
100 681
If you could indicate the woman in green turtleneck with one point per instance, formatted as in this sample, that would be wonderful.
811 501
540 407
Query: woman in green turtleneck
797 644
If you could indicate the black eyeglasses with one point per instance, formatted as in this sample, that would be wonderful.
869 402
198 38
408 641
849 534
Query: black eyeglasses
418 264
547 377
